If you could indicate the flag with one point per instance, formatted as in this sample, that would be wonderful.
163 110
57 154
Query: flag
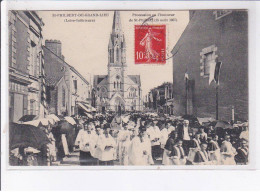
186 76
217 72
166 92
212 67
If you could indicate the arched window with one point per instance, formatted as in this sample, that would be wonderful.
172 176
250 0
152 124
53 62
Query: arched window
117 54
114 84
120 85
111 55
117 85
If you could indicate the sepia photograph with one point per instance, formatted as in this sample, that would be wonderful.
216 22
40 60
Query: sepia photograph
128 88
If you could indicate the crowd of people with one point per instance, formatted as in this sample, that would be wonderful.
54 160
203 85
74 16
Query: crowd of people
138 139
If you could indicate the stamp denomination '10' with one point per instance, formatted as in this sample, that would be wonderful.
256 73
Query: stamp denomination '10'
150 44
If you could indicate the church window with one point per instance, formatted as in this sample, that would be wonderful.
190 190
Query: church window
112 55
114 84
117 85
117 54
120 85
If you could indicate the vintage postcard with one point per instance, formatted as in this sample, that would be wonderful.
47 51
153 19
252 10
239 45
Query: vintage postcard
102 88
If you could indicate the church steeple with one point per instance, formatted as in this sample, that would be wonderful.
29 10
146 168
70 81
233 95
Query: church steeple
116 28
116 46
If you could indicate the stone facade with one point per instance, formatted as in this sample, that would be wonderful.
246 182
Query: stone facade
26 72
58 97
78 88
212 36
117 91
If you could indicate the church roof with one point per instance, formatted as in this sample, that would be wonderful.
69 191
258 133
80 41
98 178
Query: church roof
99 78
136 79
53 80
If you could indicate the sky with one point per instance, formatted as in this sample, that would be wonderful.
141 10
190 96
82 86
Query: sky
84 44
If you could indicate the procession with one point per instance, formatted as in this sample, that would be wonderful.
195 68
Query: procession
155 96
135 139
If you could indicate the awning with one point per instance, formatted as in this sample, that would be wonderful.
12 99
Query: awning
84 107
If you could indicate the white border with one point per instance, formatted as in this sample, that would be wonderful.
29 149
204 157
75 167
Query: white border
70 171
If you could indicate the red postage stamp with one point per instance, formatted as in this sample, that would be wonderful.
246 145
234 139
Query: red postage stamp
150 44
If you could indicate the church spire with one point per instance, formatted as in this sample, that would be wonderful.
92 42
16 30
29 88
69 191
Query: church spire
116 45
116 28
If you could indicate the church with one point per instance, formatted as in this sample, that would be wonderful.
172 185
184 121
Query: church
117 91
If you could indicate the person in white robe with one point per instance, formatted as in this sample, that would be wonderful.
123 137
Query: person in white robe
98 139
93 147
245 133
123 140
165 132
154 134
114 134
106 145
124 151
86 144
214 151
117 122
228 152
140 151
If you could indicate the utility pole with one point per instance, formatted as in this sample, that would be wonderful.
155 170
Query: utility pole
217 102
186 96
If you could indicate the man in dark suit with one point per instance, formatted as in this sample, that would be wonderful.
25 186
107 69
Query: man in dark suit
183 133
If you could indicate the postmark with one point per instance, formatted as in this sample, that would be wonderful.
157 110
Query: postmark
150 44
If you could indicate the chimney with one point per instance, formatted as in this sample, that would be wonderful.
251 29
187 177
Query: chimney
54 46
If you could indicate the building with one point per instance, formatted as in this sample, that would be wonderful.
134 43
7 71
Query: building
160 99
117 91
66 87
26 65
212 36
